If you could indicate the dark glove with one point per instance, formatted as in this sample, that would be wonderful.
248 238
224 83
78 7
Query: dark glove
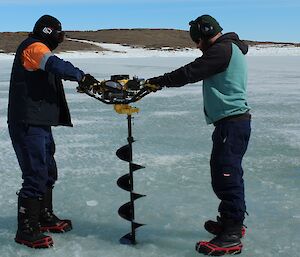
87 83
153 84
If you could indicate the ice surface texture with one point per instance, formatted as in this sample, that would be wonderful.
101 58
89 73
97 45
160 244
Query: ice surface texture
173 142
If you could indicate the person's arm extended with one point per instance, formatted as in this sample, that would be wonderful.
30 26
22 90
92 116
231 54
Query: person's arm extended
214 61
63 69
38 56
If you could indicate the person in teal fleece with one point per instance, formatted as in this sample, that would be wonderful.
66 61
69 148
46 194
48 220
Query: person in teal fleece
223 70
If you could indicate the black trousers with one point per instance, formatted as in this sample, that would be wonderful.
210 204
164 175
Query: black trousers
230 142
34 147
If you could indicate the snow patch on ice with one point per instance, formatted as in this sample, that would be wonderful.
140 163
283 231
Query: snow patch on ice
170 113
92 203
6 56
274 50
117 50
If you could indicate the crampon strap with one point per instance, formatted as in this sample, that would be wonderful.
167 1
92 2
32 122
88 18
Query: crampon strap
46 242
208 248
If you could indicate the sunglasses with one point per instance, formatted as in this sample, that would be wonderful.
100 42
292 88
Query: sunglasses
60 35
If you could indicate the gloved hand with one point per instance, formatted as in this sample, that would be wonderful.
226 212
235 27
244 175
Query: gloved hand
88 82
153 84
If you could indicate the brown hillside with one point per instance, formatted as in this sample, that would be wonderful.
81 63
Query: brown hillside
10 41
149 38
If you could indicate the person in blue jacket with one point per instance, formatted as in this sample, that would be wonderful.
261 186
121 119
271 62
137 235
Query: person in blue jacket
36 103
222 68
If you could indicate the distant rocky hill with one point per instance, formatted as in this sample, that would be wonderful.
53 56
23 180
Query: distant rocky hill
10 41
148 38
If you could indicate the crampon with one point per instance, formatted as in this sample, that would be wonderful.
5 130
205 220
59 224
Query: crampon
45 242
208 248
60 227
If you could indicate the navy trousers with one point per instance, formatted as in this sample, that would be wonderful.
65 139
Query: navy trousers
230 141
35 148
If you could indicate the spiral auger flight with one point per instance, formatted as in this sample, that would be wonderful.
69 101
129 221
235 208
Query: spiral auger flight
120 91
126 211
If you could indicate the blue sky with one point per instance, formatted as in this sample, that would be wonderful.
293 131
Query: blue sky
265 20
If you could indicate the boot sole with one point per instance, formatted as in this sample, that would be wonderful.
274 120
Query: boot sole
214 250
46 242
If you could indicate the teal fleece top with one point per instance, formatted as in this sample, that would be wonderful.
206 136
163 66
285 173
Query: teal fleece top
224 94
223 69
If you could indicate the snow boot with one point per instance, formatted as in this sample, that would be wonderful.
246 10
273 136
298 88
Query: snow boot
227 242
28 232
216 227
49 221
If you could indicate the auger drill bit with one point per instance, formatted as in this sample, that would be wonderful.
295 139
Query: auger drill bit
120 91
126 211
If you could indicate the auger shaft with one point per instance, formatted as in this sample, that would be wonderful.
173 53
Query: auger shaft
130 141
126 211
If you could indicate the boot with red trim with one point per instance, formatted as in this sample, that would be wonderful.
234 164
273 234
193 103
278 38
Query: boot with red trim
49 221
28 232
216 227
227 242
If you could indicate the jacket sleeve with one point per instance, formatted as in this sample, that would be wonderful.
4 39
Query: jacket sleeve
214 61
38 56
63 69
34 56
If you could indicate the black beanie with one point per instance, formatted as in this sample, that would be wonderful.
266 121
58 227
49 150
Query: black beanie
46 29
204 27
46 21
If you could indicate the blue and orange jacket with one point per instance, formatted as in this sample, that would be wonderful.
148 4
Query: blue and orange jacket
38 56
36 94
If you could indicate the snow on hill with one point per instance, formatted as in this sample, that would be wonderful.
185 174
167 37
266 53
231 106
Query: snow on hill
119 51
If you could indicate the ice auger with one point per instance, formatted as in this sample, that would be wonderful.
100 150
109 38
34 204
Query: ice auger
121 91
125 182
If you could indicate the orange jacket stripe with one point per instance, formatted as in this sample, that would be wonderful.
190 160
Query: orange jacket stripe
35 56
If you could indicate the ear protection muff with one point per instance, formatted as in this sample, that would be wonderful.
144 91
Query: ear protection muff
195 31
202 30
207 30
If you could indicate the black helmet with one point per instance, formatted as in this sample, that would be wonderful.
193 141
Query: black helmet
48 30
